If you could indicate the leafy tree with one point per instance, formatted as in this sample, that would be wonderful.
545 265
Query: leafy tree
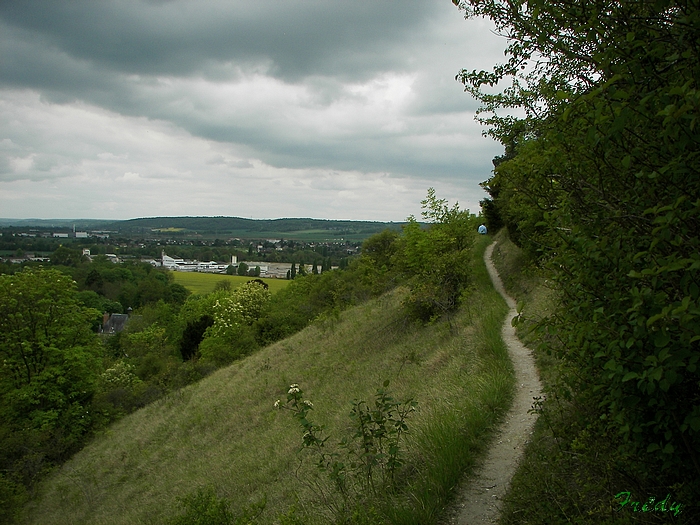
223 285
40 320
94 280
50 365
243 305
178 293
381 248
242 268
231 335
600 183
66 257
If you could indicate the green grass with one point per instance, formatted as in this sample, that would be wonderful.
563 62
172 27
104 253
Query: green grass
204 283
224 432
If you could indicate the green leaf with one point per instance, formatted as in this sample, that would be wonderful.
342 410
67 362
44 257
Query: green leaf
657 373
694 423
661 339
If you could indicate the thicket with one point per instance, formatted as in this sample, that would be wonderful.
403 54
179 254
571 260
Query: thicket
600 185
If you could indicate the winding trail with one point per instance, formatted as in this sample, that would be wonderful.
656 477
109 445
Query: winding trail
479 499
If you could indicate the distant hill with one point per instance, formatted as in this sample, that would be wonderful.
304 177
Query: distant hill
303 229
54 223
241 227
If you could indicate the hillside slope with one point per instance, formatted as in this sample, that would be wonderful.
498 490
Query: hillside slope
224 432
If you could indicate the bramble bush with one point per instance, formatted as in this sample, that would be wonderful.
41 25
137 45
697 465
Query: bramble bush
362 469
204 507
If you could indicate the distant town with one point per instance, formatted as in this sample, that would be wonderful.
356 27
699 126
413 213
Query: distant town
174 249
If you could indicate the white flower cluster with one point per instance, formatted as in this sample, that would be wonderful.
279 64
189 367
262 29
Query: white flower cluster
242 306
228 316
121 375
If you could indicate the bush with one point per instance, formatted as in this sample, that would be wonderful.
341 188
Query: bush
204 507
436 261
362 468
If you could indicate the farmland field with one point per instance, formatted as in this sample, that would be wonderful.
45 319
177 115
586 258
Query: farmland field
203 283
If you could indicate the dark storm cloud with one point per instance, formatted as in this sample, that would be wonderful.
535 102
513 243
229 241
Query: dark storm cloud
351 40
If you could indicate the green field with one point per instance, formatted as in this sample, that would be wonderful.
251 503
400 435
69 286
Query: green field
204 283
224 432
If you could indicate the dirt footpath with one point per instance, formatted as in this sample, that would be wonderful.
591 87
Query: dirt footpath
479 499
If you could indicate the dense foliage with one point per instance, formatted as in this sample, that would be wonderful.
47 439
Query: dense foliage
50 367
600 183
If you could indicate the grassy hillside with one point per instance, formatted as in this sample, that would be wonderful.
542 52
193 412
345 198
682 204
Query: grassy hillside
224 431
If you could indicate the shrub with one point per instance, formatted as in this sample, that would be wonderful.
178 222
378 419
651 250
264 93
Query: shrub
204 507
436 261
363 468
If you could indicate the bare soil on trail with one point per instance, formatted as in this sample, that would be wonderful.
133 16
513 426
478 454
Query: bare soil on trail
480 496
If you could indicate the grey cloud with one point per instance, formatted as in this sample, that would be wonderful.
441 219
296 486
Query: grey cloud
220 160
176 61
299 38
46 162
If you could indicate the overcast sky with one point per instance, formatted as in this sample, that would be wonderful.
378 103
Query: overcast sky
295 108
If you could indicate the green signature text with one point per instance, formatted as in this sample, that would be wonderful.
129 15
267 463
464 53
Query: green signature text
651 505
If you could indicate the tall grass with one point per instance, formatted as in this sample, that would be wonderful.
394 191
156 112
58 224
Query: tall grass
224 432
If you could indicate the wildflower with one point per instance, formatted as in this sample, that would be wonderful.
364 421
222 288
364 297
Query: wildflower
294 389
308 403
277 403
